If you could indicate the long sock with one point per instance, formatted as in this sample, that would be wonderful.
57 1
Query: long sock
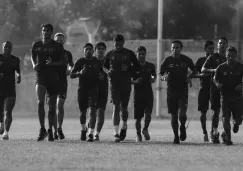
138 125
174 124
203 122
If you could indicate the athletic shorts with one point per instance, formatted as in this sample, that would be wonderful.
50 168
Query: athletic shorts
203 99
143 105
232 107
8 92
215 98
102 94
177 101
87 98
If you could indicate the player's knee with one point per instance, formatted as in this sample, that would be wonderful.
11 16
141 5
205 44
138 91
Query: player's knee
174 118
116 109
40 103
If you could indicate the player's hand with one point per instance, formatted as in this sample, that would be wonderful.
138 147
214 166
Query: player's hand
189 81
36 67
153 79
83 71
137 81
1 75
164 78
213 70
219 86
101 76
68 72
18 79
239 87
49 61
124 67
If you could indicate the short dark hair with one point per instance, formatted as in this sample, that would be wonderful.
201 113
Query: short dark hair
59 34
48 26
7 43
224 38
88 44
118 38
100 44
231 49
141 48
178 42
207 43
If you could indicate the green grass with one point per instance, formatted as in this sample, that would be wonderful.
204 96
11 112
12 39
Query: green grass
22 152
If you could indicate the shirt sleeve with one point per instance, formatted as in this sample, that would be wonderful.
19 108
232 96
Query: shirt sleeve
17 68
70 59
163 67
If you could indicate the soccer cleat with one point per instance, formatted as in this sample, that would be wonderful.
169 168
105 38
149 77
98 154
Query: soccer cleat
176 140
55 135
96 137
139 137
50 135
117 138
224 137
235 128
2 128
215 139
146 134
205 138
60 134
123 133
83 135
5 136
183 133
42 135
90 138
229 142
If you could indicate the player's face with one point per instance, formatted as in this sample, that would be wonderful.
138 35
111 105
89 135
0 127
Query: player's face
231 57
175 49
7 48
59 39
141 55
222 45
118 45
88 52
100 51
46 33
209 50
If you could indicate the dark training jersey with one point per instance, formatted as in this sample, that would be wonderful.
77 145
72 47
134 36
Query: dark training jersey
114 60
177 70
90 79
205 81
63 69
229 78
8 66
146 72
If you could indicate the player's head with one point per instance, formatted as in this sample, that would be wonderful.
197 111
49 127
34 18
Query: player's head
118 41
231 55
100 49
88 50
176 47
7 47
222 44
208 47
46 30
141 53
59 37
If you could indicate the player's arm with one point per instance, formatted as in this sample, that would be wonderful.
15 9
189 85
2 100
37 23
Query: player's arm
153 73
101 74
106 64
63 59
134 60
34 56
75 72
134 76
206 68
17 71
217 77
239 87
163 70
70 60
192 68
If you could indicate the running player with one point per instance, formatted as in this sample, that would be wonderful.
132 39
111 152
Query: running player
100 49
117 65
64 71
143 93
210 66
228 78
204 91
89 70
175 68
47 56
9 65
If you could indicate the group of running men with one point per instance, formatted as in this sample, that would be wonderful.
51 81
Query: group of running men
220 84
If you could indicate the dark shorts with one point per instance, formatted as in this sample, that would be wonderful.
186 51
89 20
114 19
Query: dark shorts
87 98
232 107
176 102
203 99
143 105
102 95
215 98
8 92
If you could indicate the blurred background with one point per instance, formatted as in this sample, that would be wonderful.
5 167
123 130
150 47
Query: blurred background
191 21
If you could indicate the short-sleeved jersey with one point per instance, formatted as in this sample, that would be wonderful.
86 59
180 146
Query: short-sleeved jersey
8 66
90 79
145 72
229 78
63 69
177 70
114 60
205 81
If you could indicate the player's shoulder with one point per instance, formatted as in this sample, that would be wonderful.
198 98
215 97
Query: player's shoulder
222 66
14 57
184 57
37 43
150 64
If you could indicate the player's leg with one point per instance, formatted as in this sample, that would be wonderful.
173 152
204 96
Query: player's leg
52 103
125 96
226 115
41 92
83 106
138 115
60 116
183 104
147 118
1 115
236 108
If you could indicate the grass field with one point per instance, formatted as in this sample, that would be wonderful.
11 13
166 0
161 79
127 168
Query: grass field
22 152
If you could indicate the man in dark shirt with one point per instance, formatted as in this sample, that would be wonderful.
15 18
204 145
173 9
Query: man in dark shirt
228 78
89 70
47 57
117 65
175 68
100 49
143 93
9 66
210 66
204 90
64 71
